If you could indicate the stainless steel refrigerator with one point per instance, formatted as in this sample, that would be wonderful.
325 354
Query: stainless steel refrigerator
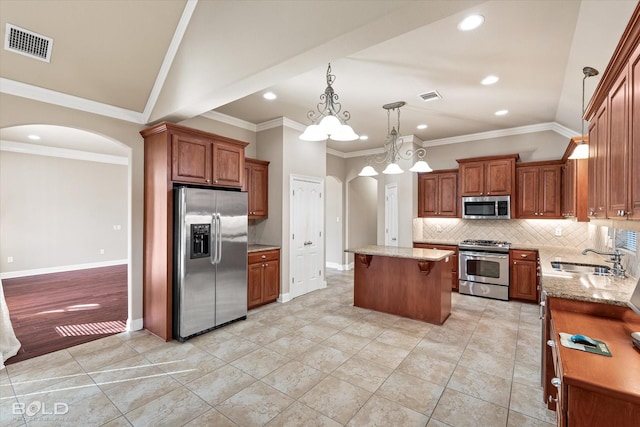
210 260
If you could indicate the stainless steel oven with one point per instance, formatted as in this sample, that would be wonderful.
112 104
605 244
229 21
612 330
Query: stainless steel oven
484 268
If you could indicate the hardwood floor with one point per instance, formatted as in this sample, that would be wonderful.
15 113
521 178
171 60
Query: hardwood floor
51 312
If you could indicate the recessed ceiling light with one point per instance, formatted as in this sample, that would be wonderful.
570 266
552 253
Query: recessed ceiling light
489 80
269 95
422 126
363 137
471 22
34 137
502 112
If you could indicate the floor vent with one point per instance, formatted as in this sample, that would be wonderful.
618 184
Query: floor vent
28 43
430 96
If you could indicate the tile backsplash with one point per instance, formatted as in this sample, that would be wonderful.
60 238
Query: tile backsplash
562 237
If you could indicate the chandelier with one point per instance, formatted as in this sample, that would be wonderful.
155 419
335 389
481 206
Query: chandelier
582 150
392 149
328 122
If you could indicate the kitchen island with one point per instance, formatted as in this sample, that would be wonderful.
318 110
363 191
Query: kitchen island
414 283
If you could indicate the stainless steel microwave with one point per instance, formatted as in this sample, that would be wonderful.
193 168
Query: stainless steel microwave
489 207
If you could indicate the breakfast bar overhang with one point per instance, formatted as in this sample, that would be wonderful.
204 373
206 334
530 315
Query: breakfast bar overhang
413 283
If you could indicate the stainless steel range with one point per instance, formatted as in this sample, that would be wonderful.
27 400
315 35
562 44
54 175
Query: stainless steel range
484 268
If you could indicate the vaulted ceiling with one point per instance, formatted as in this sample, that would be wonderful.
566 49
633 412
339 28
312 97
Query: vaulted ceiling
147 60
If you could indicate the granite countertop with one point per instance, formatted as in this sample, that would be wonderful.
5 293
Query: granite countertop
396 252
258 248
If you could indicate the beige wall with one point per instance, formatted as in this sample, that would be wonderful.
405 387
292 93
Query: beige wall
61 212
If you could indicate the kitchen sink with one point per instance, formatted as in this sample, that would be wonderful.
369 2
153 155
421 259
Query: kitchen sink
569 267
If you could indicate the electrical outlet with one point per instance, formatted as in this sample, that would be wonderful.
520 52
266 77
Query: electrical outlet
438 228
558 231
9 259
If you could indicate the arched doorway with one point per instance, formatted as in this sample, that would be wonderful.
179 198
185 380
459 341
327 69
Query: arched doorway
362 212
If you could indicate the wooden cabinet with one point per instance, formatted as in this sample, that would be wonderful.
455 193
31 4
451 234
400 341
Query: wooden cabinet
263 277
523 278
438 194
614 131
176 154
586 389
538 190
256 183
454 260
574 177
487 176
206 160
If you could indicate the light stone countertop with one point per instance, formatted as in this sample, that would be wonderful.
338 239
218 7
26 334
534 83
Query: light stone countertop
396 252
258 248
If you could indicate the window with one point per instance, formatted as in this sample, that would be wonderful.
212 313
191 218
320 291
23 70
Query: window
625 239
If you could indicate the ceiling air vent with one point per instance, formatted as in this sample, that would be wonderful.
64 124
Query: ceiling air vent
430 96
28 43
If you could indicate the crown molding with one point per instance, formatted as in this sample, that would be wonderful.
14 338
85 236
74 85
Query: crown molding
64 153
230 120
23 90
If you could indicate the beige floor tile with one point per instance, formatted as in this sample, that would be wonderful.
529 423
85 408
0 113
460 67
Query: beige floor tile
69 392
381 319
444 351
93 411
399 339
364 329
264 335
483 386
415 328
220 384
44 376
316 332
528 401
231 349
450 336
255 405
294 379
517 419
323 358
128 370
211 418
336 321
487 363
421 364
118 422
291 323
11 413
363 373
336 399
347 343
529 354
298 415
461 410
498 346
526 374
143 342
94 355
260 362
380 412
175 408
135 392
291 345
383 354
411 392
183 361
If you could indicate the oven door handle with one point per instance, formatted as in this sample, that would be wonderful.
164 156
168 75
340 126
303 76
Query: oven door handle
480 255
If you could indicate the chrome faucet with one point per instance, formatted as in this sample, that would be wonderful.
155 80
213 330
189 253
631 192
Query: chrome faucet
616 258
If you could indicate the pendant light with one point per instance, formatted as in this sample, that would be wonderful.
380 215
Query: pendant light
582 149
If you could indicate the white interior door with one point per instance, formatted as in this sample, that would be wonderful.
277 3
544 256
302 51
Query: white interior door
391 214
307 240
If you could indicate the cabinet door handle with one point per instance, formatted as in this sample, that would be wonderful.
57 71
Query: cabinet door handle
556 382
553 399
263 256
550 343
523 255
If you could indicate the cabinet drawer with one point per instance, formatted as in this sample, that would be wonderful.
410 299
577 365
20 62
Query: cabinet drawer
262 256
525 255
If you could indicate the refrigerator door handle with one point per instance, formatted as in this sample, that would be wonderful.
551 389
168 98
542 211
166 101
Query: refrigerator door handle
219 239
182 247
213 240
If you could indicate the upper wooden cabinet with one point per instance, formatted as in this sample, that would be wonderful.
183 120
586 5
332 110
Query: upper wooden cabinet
257 185
176 154
614 132
438 194
574 189
488 176
539 190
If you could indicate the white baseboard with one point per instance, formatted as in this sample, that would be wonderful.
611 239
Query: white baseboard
61 269
336 266
284 297
134 325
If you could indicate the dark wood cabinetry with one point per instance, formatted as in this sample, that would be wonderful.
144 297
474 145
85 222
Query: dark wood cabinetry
574 186
256 183
487 176
438 194
539 190
523 278
454 260
586 389
614 132
263 277
176 154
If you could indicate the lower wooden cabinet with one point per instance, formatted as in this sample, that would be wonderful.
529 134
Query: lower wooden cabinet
523 283
263 277
454 260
